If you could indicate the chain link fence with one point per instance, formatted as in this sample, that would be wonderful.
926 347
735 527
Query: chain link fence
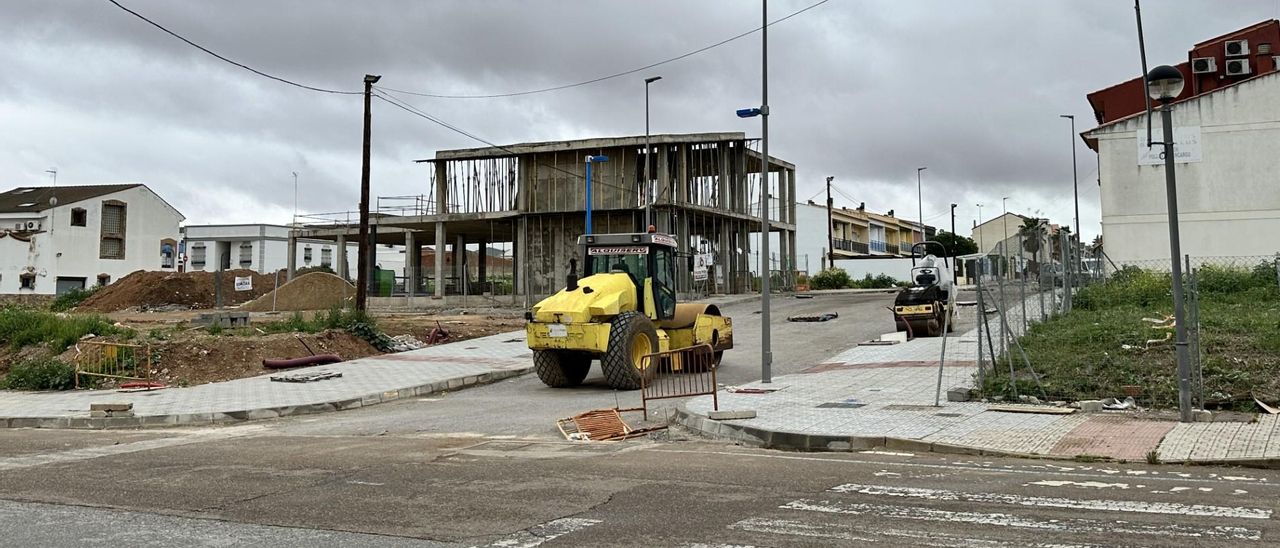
1121 343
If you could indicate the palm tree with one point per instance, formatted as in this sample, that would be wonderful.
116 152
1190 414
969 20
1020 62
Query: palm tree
1033 234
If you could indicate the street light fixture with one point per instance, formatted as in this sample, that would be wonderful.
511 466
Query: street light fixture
1075 178
590 183
1164 84
766 353
648 190
920 201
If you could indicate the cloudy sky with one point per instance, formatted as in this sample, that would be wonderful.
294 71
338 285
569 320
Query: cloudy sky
862 90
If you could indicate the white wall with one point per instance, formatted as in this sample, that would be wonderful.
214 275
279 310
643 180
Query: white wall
1229 202
62 250
270 245
899 268
811 238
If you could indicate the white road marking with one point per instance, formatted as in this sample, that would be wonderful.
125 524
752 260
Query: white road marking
887 473
538 534
1090 484
1069 525
185 438
961 466
357 482
1242 478
1050 502
1239 492
889 453
845 532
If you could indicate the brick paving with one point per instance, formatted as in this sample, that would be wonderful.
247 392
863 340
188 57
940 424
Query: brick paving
364 381
885 395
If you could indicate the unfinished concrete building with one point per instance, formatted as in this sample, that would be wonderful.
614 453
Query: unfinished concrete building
526 204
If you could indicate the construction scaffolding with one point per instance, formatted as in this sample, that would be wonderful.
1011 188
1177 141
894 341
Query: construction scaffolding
526 203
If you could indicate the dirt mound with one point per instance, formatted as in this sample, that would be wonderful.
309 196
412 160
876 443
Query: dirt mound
314 291
149 290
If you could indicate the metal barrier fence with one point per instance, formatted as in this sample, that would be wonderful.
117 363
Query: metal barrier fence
112 360
679 373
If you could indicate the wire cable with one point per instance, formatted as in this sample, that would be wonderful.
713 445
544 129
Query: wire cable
241 65
611 76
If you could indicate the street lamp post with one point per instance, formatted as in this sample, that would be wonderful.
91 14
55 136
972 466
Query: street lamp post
766 353
591 183
1004 220
365 251
920 201
1164 84
648 191
1075 179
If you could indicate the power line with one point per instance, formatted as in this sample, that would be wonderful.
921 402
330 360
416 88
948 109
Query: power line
241 65
611 76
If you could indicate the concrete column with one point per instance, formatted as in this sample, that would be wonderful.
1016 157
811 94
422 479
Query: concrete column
459 255
442 189
681 195
342 256
482 261
518 257
439 243
723 261
683 275
722 176
293 256
410 264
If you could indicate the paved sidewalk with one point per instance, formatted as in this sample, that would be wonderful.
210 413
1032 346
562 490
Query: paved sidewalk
883 397
364 382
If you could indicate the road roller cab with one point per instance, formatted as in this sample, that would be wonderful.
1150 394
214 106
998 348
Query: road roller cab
623 308
925 308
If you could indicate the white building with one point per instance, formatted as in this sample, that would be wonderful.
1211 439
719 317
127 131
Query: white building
990 233
260 247
1227 161
55 239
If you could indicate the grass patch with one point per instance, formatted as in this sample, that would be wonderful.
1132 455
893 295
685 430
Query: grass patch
72 299
21 327
1101 345
355 322
44 374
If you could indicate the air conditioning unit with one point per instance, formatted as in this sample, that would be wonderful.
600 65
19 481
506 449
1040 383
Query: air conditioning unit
1204 65
18 226
1237 48
1238 67
32 226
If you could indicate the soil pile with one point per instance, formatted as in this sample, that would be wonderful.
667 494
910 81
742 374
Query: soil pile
314 291
147 290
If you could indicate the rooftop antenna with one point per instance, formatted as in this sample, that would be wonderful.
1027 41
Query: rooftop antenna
1142 50
53 199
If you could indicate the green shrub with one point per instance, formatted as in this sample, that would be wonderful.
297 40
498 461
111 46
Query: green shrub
880 281
831 278
46 374
1129 286
1219 279
21 327
71 299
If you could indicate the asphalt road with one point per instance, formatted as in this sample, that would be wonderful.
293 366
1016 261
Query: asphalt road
525 407
257 485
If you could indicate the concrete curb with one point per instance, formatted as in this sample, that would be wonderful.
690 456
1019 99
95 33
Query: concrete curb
817 443
206 419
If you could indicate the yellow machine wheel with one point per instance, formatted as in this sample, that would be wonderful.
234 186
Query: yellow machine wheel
561 368
631 336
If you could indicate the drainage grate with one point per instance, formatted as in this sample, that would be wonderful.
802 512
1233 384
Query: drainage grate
948 414
840 405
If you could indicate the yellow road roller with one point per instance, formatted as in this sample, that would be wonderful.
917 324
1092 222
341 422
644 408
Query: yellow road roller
621 309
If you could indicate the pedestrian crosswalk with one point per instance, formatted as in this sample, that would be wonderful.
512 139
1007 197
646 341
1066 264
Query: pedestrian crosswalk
904 515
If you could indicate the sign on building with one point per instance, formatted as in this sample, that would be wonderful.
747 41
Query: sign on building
244 283
701 262
1186 146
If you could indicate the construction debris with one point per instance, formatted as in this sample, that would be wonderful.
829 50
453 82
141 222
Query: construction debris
751 390
311 376
157 291
313 291
405 343
1117 405
813 317
437 335
600 425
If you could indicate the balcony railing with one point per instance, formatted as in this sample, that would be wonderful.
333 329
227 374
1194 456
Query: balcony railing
877 245
850 246
891 249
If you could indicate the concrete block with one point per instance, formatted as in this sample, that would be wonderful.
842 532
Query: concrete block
159 420
24 422
454 384
840 445
753 436
97 414
728 415
896 336
1090 406
343 405
1202 416
959 394
860 443
371 400
900 444
949 449
124 406
790 440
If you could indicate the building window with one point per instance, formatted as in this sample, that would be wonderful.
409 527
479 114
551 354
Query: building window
326 257
113 230
246 254
27 280
306 255
104 279
167 248
79 217
197 256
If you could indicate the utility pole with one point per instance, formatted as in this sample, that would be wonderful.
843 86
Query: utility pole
364 251
831 241
295 197
920 202
648 149
955 272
